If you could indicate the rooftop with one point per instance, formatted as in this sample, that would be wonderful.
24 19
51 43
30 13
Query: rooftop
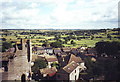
74 58
51 59
70 67
89 54
48 70
57 50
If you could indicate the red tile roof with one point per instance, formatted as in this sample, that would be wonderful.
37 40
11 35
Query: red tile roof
50 71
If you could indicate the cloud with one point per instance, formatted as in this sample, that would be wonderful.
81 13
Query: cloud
59 13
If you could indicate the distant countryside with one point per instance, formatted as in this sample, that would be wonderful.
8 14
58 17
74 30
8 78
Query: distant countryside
68 38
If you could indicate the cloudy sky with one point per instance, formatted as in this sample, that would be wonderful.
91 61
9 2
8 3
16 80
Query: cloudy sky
59 14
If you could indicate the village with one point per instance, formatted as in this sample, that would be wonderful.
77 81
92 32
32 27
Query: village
61 63
53 61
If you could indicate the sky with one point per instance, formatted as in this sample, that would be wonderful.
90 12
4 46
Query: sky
58 14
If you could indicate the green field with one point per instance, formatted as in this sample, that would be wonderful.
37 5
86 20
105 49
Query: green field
38 39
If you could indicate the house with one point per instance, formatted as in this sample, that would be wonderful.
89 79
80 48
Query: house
42 50
80 50
71 66
64 60
75 58
62 54
66 49
50 60
83 48
69 72
74 51
78 60
47 72
38 50
91 51
49 50
57 50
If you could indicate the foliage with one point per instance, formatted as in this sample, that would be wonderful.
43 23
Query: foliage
81 37
92 37
3 39
57 37
56 44
109 36
72 42
38 64
6 45
55 64
110 48
45 44
107 67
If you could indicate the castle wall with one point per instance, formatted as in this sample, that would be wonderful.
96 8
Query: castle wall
20 64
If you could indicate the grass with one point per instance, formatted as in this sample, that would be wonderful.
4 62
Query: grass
37 38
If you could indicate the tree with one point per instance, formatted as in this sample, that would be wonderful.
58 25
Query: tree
66 40
110 48
72 42
57 37
45 44
38 64
78 38
109 36
6 45
71 37
56 44
94 69
55 64
3 39
92 37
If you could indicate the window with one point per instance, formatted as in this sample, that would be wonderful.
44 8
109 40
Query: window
80 69
75 77
75 71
